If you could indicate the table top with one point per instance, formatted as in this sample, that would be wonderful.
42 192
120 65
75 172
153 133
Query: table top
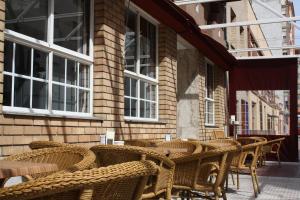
19 168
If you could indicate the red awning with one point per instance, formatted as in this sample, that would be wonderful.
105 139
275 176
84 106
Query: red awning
174 17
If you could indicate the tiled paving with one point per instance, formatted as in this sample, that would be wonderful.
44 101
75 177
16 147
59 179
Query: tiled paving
276 182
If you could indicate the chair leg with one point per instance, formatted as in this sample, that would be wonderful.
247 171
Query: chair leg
237 180
254 182
233 182
224 195
278 158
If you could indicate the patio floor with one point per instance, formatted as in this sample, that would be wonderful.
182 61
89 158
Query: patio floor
276 182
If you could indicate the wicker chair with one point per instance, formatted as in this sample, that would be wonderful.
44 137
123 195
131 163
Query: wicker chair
271 147
193 172
247 160
67 158
159 185
140 143
218 135
45 144
118 182
191 147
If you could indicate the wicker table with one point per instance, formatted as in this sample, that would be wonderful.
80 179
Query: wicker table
17 168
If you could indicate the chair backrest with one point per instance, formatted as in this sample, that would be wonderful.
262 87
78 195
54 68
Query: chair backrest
219 135
224 142
274 145
67 158
45 144
190 146
250 147
140 143
112 154
193 171
118 182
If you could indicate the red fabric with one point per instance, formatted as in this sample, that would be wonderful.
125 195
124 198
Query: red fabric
268 74
166 12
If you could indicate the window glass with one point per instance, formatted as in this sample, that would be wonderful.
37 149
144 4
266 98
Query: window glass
83 101
71 72
28 17
40 64
71 99
23 60
27 68
147 48
58 97
7 90
209 81
130 41
71 25
58 69
140 92
40 95
22 92
8 56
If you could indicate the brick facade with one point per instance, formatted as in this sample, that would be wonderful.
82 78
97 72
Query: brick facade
17 131
108 96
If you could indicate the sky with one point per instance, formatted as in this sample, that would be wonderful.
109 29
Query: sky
297 13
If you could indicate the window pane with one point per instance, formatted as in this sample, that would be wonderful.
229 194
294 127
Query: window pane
147 109
133 88
145 90
23 60
8 56
153 93
209 81
58 69
133 107
142 108
127 106
83 101
40 64
22 92
148 49
40 95
153 110
84 76
127 86
71 99
27 17
130 41
71 72
7 90
58 97
71 25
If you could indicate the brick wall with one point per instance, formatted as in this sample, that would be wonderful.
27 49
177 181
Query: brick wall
17 131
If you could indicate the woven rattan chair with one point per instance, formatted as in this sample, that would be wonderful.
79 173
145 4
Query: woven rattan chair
159 185
191 147
218 135
45 144
117 182
271 147
68 158
193 172
247 160
140 143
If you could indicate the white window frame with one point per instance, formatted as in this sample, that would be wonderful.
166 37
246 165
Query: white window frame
140 77
51 48
207 99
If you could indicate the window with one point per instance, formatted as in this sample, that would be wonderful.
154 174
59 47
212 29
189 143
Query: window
141 79
209 99
47 61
